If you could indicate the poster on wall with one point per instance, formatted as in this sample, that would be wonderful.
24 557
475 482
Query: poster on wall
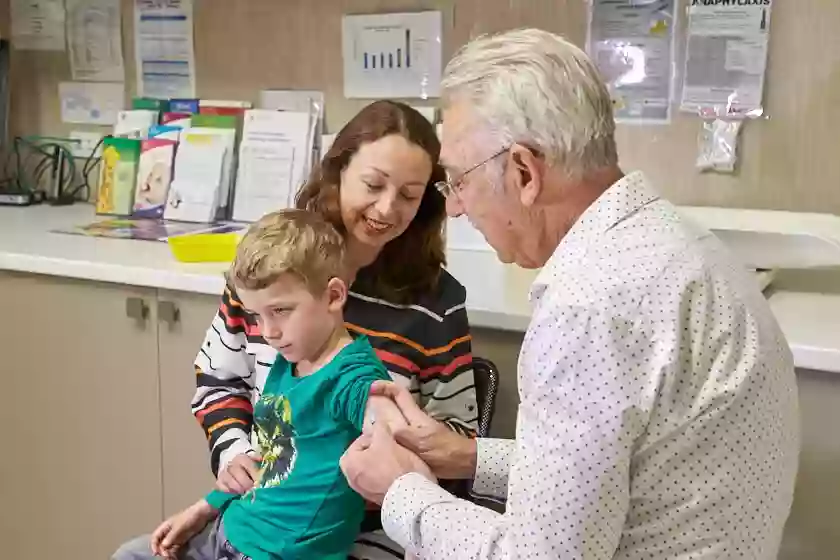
164 50
392 55
38 26
726 57
94 39
633 43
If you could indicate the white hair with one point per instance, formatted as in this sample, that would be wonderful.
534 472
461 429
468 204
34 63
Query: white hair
535 88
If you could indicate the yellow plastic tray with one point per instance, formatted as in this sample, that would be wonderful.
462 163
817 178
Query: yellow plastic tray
205 247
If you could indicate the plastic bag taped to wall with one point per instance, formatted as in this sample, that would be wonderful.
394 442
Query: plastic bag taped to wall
718 145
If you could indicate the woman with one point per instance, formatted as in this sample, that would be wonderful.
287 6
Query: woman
376 185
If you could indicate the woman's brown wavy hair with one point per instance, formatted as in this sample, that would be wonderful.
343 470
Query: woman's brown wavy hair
409 265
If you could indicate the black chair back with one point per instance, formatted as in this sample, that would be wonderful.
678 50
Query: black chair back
486 389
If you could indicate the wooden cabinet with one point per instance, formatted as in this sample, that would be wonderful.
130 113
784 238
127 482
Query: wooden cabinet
80 469
183 321
99 442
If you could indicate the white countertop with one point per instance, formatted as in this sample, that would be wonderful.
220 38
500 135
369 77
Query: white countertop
810 317
28 244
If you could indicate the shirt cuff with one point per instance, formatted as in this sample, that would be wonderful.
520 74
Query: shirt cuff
218 499
405 501
493 467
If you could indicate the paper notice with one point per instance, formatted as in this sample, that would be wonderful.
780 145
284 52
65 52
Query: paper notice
163 44
94 38
632 44
726 58
38 25
91 102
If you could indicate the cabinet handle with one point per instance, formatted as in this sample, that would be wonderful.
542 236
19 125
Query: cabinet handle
137 309
169 313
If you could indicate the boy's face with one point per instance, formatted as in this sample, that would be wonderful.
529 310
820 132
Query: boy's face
294 321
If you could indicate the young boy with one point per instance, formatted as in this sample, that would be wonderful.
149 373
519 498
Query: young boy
287 272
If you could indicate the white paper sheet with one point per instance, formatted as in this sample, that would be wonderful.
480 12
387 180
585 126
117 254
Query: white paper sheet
96 103
265 180
326 143
726 58
300 101
38 25
135 123
194 195
272 164
392 55
633 45
228 138
461 234
483 276
164 51
94 38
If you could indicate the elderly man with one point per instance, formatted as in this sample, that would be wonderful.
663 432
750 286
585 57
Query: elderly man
658 414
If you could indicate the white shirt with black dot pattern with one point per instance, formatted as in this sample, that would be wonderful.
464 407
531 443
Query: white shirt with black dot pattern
658 415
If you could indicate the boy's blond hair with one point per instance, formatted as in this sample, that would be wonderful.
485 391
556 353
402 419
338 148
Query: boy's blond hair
288 242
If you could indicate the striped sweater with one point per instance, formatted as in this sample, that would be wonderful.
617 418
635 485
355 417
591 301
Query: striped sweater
426 346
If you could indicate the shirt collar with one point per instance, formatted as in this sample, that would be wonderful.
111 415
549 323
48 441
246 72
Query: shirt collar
624 197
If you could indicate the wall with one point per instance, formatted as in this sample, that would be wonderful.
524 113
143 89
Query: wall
789 159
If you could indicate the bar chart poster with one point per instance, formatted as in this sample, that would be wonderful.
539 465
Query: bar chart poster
392 55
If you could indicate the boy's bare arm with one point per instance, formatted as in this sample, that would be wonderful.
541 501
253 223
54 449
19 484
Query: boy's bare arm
383 409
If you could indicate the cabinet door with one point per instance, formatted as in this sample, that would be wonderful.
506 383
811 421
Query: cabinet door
81 461
183 321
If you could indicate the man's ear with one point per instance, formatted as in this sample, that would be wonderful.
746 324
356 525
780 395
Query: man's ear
528 167
336 294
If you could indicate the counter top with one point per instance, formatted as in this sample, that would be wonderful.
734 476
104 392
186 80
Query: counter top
28 244
808 315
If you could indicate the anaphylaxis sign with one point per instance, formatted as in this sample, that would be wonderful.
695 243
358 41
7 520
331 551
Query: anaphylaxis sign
726 56
730 2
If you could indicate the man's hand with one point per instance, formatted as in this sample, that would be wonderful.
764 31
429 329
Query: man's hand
239 475
176 531
374 461
449 454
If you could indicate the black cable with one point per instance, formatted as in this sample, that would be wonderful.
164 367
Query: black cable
90 165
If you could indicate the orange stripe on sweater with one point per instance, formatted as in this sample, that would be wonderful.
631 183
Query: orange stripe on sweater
238 322
403 362
407 342
223 423
232 402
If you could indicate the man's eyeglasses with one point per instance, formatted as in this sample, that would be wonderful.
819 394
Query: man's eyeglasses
451 186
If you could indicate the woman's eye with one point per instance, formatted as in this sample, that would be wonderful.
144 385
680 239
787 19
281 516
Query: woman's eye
280 311
374 187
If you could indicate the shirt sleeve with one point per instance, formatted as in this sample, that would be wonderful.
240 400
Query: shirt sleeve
493 467
447 392
352 388
224 382
570 470
218 500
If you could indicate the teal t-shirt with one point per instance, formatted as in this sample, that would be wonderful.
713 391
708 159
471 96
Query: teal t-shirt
301 506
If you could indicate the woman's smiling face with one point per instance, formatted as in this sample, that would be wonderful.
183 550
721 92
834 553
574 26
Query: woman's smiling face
381 189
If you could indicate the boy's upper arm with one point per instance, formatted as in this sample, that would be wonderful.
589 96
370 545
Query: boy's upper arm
352 389
383 409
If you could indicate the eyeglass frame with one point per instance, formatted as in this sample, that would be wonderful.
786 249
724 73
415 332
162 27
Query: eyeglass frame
452 186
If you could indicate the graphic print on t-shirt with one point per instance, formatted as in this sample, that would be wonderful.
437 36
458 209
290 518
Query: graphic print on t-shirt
275 439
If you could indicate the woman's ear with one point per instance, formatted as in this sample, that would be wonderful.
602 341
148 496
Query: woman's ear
336 294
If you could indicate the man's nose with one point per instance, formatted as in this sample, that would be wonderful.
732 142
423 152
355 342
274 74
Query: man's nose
454 208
